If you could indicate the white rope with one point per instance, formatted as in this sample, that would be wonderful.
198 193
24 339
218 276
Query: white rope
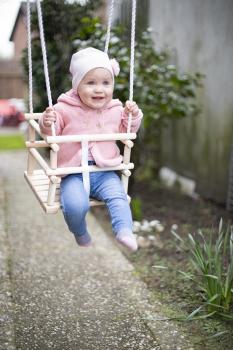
132 49
132 54
45 62
108 35
30 96
43 47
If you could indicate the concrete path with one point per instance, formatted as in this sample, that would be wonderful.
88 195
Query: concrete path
56 295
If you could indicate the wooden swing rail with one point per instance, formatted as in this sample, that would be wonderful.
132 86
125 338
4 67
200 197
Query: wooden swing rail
73 170
123 137
37 178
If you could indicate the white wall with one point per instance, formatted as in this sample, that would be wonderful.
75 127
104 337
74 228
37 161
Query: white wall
200 34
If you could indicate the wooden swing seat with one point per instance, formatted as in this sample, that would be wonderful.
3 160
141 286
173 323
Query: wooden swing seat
45 181
39 183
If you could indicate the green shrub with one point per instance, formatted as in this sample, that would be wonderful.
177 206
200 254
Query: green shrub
136 206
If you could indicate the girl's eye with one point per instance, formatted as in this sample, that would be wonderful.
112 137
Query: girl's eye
91 82
106 82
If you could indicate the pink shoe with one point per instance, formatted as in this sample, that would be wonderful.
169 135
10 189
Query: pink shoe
127 239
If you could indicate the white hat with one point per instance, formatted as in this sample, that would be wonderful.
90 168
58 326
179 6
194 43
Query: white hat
87 59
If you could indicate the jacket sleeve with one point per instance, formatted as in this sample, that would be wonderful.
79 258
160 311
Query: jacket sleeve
135 122
59 124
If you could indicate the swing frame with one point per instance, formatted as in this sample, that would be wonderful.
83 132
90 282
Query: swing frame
45 181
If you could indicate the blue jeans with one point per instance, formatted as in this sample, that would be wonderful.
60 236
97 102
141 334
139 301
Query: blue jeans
105 186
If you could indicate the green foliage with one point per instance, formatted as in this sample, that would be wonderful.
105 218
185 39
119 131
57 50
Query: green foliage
162 92
136 206
213 263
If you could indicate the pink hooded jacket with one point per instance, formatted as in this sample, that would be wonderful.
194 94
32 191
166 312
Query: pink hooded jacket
74 118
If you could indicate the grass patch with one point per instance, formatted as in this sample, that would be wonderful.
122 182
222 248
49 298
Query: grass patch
11 142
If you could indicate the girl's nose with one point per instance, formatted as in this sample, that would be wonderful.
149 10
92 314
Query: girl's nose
98 88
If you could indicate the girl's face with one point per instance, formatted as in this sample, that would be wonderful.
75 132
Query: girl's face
96 88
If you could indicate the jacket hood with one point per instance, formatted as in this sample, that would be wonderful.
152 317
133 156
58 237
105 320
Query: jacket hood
71 98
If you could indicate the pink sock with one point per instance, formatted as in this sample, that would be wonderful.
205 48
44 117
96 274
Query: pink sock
127 239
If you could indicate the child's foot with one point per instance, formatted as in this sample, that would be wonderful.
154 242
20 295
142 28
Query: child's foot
83 240
127 239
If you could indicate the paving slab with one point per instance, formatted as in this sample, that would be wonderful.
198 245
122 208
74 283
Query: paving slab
56 295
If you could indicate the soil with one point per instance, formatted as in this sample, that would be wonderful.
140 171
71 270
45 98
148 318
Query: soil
178 295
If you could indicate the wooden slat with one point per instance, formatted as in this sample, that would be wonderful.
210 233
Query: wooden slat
45 187
40 177
44 198
42 187
40 182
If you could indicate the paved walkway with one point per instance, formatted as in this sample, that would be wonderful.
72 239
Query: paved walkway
56 295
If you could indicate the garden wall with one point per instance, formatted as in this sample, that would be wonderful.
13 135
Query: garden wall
200 35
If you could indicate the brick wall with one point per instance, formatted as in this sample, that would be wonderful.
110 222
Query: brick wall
11 80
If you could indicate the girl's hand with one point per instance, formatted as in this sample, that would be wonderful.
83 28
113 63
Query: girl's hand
131 107
49 116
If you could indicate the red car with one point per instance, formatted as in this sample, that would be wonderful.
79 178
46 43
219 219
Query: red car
10 115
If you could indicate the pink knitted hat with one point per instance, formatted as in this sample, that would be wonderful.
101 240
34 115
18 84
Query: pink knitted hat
87 59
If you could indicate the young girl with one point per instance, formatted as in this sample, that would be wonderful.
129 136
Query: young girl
89 108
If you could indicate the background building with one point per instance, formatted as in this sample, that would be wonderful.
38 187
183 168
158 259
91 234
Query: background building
11 74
